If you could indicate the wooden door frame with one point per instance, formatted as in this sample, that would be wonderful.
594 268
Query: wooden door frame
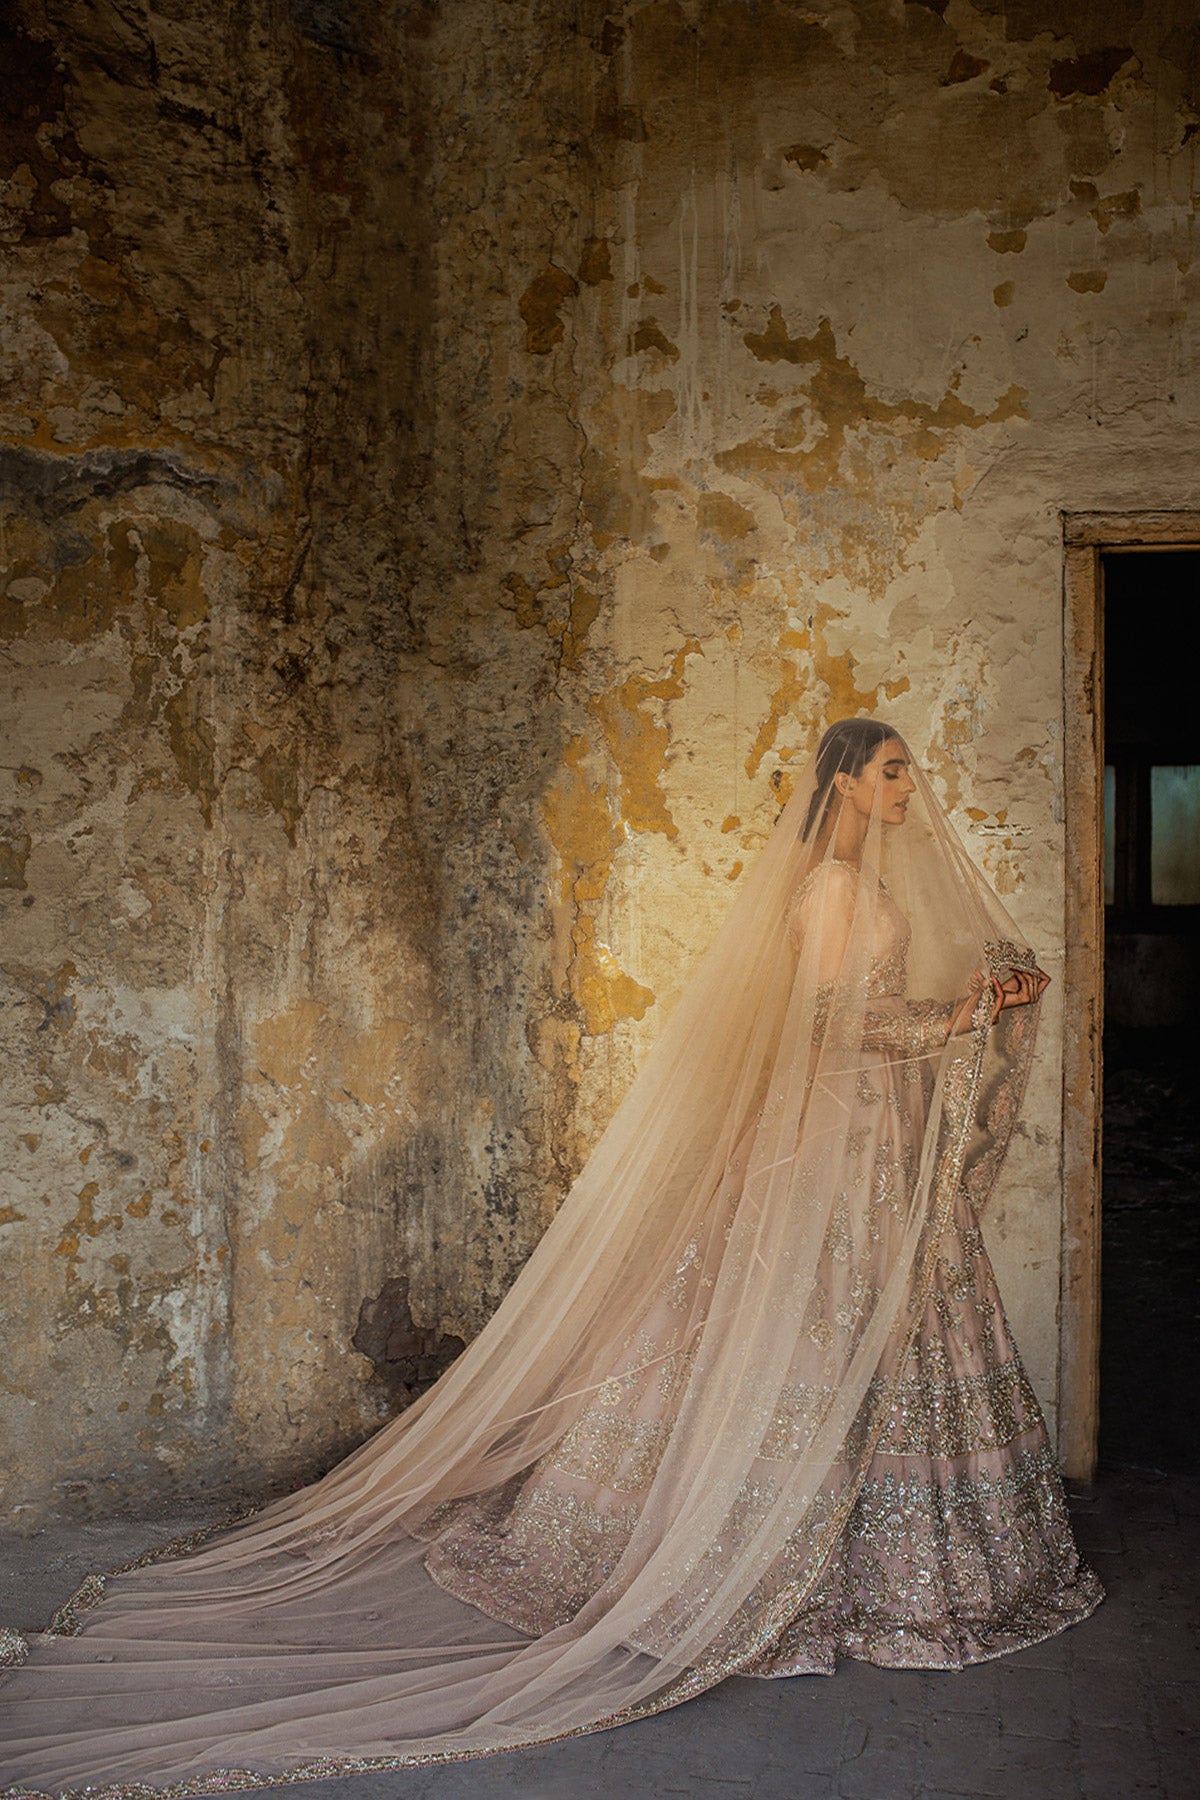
1086 537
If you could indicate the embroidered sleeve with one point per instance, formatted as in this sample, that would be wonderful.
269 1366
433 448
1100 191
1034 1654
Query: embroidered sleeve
871 1012
908 1027
893 1025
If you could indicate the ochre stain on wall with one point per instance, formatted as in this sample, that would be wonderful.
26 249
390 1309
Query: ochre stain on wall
586 837
540 308
1089 74
638 742
810 671
838 403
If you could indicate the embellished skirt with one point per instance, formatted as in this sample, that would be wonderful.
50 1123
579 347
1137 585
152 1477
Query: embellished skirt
959 1547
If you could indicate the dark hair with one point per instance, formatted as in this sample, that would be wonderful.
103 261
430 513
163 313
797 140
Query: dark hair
846 749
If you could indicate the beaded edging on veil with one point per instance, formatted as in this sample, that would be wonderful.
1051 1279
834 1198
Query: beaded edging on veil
653 1467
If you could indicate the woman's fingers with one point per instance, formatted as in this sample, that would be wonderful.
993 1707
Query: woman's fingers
1022 987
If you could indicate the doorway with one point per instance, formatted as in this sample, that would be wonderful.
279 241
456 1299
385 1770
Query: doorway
1150 1188
1132 991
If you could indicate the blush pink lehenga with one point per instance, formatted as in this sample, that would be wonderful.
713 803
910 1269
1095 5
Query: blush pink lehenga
958 1546
752 1404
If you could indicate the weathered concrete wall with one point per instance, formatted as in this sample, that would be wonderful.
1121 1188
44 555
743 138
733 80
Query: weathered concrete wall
455 457
224 1012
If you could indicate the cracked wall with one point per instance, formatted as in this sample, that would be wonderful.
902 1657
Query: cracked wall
455 457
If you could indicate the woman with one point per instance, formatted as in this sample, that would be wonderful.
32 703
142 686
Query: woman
751 1405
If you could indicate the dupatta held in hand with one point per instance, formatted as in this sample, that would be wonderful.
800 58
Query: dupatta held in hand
637 1473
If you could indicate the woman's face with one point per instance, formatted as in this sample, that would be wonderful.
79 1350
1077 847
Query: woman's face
888 773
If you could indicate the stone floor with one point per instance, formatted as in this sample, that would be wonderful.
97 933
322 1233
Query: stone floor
1109 1711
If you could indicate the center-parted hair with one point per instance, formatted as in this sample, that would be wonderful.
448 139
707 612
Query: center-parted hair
846 749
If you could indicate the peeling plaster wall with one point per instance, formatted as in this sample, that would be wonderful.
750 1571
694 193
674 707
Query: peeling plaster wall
454 458
222 1001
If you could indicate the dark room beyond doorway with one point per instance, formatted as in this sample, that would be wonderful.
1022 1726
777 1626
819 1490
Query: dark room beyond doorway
1149 1340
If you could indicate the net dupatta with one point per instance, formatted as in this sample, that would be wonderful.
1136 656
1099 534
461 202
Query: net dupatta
636 1474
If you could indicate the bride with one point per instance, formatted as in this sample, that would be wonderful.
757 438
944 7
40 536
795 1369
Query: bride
752 1404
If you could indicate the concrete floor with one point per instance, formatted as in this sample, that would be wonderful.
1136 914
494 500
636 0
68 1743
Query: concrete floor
1109 1711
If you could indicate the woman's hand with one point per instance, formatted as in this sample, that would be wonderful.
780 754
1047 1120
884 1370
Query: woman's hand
1020 987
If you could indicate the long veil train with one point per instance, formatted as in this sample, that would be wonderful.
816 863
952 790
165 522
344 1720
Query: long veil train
644 1466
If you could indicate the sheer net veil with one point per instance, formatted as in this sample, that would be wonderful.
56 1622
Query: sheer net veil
689 1375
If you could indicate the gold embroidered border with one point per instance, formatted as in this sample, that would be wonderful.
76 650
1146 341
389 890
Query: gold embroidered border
68 1622
1003 953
